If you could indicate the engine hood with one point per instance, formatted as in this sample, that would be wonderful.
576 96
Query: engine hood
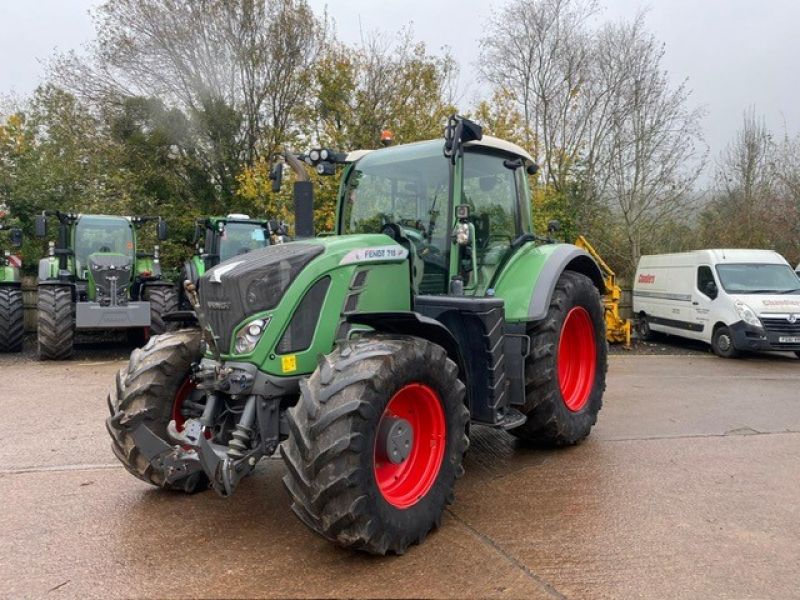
250 284
257 282
771 303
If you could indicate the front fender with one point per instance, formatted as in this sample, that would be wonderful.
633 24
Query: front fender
413 323
528 280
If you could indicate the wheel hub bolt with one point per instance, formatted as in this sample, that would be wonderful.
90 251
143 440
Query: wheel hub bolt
395 439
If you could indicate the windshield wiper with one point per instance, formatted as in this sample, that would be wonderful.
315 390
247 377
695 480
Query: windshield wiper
433 216
795 290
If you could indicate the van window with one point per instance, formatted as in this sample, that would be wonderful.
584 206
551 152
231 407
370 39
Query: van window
757 278
704 278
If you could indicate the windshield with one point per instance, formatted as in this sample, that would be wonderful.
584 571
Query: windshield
406 185
102 234
241 238
758 279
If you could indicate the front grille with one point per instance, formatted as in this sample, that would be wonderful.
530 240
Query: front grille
300 333
223 290
781 326
112 276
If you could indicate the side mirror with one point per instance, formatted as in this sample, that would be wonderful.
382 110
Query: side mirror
41 226
711 289
161 229
15 236
553 226
276 175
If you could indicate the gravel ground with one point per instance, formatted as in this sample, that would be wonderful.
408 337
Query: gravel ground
100 346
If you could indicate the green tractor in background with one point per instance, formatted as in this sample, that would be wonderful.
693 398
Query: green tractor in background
217 239
368 355
95 278
12 322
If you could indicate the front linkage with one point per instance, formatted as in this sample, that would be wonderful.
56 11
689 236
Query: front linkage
255 434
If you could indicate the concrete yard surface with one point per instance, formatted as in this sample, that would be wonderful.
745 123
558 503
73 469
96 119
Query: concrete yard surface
687 488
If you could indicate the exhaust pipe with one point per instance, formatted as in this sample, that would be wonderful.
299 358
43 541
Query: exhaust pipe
303 199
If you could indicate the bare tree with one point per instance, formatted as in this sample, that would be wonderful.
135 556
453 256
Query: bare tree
651 152
745 178
541 51
617 142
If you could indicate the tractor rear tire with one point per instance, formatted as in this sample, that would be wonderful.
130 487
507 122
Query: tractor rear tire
340 479
56 322
163 299
12 322
152 382
565 373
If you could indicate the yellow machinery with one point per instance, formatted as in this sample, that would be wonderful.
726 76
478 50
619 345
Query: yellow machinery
618 330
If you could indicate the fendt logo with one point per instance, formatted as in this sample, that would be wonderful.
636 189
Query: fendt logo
647 278
216 305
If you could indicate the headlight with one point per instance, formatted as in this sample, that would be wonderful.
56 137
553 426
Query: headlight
249 335
747 314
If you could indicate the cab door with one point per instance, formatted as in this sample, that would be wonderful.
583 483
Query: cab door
705 293
492 190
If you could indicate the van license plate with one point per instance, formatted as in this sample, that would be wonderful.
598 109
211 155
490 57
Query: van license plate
794 339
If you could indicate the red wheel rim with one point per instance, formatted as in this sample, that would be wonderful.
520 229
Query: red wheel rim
577 358
403 485
186 389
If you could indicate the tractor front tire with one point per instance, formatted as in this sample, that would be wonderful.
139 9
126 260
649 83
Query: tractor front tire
153 381
56 322
163 299
12 323
376 443
565 373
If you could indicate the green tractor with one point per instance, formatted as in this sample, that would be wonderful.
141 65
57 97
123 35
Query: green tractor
94 278
12 324
368 355
217 239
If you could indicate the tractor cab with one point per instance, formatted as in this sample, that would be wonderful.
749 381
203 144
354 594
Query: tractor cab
218 239
405 192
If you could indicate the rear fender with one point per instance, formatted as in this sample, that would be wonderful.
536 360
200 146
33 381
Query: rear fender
528 280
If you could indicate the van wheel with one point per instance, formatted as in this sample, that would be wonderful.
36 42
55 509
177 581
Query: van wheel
643 328
722 343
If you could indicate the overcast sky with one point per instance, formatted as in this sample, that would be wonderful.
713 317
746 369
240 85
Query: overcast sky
735 53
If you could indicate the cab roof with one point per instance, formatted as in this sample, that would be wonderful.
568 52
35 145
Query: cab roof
487 141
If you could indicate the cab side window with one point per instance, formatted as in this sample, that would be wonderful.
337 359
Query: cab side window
490 189
705 282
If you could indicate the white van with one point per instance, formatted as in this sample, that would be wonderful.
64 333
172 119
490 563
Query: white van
733 299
